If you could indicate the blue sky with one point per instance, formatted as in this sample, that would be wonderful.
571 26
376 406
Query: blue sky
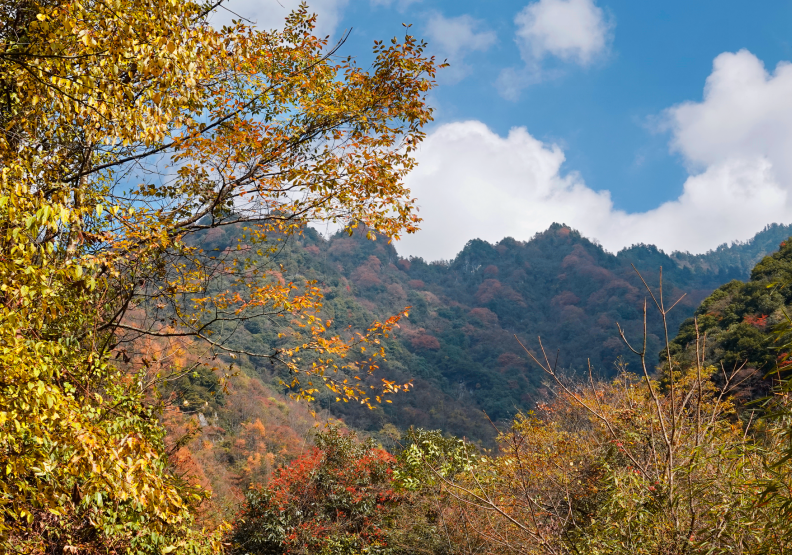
663 122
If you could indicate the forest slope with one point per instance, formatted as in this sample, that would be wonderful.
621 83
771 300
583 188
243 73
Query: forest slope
458 343
744 325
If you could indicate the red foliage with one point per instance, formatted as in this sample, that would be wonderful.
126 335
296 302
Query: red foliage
404 264
615 290
313 249
484 315
578 257
756 321
491 270
416 284
565 298
572 313
214 234
612 348
488 290
492 289
510 359
366 274
396 291
425 341
343 246
262 430
341 490
584 264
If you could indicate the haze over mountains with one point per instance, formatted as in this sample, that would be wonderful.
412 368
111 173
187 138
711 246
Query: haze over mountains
458 344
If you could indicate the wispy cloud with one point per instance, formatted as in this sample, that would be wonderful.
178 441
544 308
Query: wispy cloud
572 31
271 14
456 37
400 5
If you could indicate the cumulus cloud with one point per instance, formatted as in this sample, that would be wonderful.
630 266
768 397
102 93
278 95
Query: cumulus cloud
471 182
573 31
746 113
270 14
454 38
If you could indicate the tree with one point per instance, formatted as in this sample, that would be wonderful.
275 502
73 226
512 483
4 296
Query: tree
128 128
341 498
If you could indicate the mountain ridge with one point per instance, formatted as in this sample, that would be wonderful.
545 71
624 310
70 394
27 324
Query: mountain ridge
458 344
743 254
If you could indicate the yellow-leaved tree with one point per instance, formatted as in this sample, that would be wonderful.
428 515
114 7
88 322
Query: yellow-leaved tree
128 127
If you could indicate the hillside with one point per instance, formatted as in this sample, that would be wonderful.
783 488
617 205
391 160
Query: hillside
458 343
741 321
739 258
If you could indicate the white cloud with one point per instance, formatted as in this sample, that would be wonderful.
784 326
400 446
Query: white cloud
736 142
512 81
472 183
574 31
270 14
746 112
455 37
458 34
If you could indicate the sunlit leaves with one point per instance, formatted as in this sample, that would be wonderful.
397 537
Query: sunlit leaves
127 129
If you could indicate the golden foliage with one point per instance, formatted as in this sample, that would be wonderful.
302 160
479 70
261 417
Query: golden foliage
127 129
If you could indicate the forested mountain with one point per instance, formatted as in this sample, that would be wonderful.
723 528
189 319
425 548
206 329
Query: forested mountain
744 326
460 329
458 344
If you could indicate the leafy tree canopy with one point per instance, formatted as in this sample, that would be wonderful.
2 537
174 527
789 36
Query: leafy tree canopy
341 498
127 127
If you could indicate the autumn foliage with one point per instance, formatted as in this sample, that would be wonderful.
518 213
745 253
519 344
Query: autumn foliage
340 497
129 128
630 465
134 137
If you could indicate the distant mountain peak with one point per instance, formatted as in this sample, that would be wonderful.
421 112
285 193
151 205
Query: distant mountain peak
735 259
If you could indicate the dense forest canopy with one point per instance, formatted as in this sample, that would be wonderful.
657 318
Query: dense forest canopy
653 460
743 323
458 344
